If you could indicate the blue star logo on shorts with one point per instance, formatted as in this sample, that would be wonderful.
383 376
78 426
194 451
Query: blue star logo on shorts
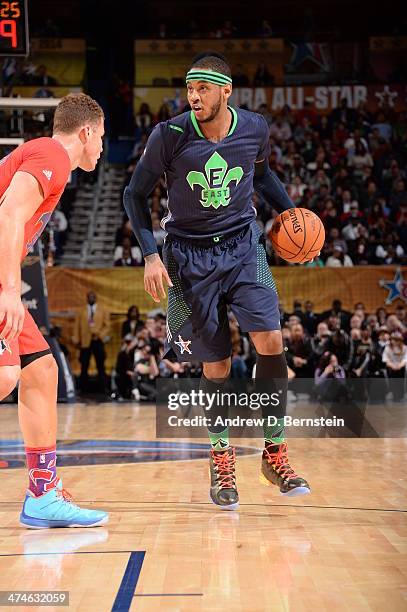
397 288
183 345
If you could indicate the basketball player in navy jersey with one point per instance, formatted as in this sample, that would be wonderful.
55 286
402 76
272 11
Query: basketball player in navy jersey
213 255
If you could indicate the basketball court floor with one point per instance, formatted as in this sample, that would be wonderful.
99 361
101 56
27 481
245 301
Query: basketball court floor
167 547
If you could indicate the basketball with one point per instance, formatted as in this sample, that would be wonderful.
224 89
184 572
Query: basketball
297 235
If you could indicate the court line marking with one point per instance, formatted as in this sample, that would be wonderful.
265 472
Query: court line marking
192 507
79 552
129 581
209 505
168 595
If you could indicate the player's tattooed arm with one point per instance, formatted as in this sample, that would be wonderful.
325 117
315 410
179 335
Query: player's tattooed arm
20 201
268 185
135 202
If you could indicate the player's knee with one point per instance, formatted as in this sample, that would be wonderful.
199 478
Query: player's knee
268 343
43 370
217 369
9 377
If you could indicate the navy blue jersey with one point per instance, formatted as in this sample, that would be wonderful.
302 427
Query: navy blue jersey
210 184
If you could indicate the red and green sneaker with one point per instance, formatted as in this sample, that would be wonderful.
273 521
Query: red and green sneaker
223 479
276 470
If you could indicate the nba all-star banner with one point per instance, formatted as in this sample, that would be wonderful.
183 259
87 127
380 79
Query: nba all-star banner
323 98
34 296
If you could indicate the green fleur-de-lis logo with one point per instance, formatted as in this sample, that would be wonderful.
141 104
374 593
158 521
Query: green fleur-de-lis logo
215 182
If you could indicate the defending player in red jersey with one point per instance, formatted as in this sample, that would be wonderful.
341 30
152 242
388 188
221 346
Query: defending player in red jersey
32 179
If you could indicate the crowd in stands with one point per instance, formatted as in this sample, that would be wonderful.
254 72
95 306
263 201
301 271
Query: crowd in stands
349 167
320 347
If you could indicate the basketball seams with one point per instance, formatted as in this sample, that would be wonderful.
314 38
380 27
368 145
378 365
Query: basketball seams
319 231
278 246
305 228
288 235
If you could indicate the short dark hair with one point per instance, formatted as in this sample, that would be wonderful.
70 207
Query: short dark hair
73 111
217 63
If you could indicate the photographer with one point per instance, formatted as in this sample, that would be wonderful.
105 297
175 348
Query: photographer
329 378
319 341
124 367
145 371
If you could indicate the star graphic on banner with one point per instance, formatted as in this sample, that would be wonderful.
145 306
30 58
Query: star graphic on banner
397 288
386 96
311 51
183 345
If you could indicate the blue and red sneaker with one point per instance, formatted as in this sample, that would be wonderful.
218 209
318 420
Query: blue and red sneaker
57 509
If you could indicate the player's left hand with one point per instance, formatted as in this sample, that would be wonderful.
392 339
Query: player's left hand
154 274
311 260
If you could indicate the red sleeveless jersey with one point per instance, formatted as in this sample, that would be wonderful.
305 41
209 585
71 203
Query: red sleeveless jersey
47 160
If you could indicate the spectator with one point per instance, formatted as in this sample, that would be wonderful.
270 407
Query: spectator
127 255
338 259
144 118
383 126
265 30
280 129
126 258
296 190
388 251
320 340
329 378
124 368
309 320
145 371
132 325
59 225
240 78
262 77
299 352
91 332
163 113
125 231
359 160
42 77
339 344
395 358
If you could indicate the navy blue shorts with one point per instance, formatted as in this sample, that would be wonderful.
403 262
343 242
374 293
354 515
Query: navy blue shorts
208 277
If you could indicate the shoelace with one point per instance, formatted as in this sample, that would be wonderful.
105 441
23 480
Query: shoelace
279 461
66 496
225 464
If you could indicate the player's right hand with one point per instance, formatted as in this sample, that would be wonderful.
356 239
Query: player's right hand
12 314
154 274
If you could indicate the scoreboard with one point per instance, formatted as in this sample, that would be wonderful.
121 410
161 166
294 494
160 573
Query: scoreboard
14 28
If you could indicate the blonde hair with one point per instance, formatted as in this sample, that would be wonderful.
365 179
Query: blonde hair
73 111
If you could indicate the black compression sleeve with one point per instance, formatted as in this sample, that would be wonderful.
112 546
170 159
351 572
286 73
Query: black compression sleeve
267 184
135 203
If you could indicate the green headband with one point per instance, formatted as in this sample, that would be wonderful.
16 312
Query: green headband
198 74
